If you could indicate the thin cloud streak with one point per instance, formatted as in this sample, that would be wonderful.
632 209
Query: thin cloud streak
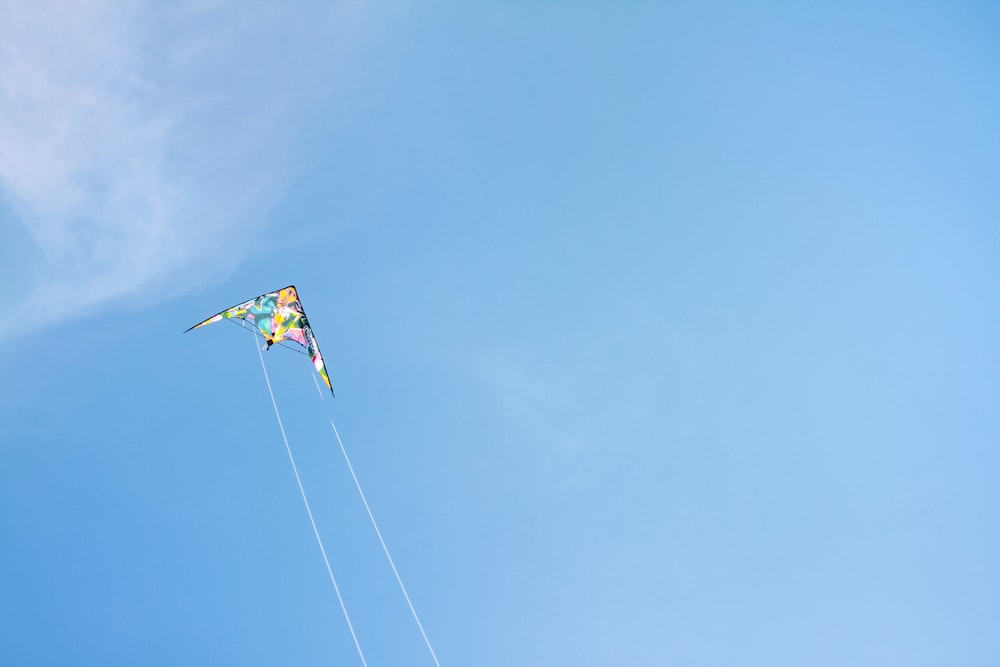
138 142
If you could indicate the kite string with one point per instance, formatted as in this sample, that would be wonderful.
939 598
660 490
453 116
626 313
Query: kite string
305 500
378 532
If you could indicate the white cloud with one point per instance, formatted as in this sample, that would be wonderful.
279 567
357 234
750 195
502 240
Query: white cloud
141 141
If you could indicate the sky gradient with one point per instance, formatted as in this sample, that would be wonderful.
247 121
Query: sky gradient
662 333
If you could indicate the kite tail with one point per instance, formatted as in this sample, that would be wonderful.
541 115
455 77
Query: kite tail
378 532
305 500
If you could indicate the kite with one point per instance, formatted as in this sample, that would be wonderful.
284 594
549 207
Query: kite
278 316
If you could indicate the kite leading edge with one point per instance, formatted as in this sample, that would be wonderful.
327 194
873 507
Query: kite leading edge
278 316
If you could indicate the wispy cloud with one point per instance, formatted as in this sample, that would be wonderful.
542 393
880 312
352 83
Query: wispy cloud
137 141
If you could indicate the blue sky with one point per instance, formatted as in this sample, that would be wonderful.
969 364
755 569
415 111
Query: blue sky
662 333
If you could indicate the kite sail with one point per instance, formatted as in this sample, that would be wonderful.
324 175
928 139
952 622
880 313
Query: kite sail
278 316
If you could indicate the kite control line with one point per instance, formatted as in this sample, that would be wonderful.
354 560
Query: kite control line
305 501
378 532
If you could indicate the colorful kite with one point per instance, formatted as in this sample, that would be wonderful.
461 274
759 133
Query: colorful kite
278 316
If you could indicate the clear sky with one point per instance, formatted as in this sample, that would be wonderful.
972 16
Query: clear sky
662 333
